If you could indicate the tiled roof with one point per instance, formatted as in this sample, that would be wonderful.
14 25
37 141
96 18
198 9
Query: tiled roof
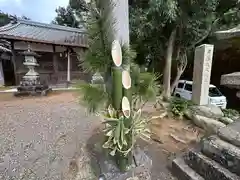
44 33
5 46
3 49
227 34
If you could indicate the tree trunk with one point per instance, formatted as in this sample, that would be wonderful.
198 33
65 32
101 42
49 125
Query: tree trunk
168 66
180 69
178 76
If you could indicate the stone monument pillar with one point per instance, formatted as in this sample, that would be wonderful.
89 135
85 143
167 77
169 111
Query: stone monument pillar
202 73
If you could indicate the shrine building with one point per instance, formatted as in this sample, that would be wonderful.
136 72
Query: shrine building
60 48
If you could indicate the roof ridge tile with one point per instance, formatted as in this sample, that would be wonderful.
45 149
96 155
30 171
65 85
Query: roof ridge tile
9 26
51 26
44 33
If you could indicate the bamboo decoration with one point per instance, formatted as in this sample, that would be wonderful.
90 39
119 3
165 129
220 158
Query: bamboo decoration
116 53
126 81
121 82
121 97
117 88
126 107
117 75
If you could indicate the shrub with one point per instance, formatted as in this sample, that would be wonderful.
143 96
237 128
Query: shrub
178 106
231 113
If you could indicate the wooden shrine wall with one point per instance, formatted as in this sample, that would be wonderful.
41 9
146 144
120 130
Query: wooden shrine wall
48 73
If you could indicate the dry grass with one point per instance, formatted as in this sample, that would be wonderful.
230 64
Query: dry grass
175 136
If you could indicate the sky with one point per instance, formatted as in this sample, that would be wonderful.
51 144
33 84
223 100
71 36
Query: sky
36 10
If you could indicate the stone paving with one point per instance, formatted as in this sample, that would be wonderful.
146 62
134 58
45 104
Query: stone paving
40 137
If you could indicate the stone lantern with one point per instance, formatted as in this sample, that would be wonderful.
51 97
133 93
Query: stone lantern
97 78
232 81
30 83
32 77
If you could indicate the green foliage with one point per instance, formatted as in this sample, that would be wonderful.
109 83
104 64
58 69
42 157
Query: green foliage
145 86
121 129
153 22
73 15
98 59
6 18
79 5
231 113
100 38
98 56
118 131
66 17
178 106
94 96
129 56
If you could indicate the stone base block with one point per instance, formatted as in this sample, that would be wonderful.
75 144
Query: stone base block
42 90
183 171
210 111
222 152
231 133
208 168
141 170
103 164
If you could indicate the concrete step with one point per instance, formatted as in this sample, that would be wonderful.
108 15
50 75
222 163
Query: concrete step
231 133
208 168
183 171
222 152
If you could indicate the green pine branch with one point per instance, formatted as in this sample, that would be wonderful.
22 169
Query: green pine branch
98 59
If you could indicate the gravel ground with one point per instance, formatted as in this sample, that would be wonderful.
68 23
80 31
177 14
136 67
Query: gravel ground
41 137
45 138
161 161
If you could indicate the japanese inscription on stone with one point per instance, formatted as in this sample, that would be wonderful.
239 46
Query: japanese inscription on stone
207 66
202 74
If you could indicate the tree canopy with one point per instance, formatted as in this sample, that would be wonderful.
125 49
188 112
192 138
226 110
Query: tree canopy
152 22
98 58
168 29
165 31
66 17
6 18
74 15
